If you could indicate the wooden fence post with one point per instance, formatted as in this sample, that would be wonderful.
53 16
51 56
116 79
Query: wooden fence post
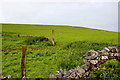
23 62
53 40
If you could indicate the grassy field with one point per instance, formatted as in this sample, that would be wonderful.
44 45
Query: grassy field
71 42
63 34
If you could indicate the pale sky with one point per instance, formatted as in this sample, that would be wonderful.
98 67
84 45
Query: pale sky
99 14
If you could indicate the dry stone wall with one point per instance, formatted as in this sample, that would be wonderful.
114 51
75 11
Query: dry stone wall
92 60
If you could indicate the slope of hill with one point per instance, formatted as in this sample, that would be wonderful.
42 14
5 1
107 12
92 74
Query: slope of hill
63 34
71 44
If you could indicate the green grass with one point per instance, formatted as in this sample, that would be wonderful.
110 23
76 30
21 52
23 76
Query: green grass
63 34
40 63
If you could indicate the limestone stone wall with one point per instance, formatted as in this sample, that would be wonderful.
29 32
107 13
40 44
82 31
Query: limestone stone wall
92 60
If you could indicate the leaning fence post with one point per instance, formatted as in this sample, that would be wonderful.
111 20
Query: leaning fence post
53 40
23 61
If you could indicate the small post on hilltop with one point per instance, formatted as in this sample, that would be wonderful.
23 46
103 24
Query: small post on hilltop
53 40
23 62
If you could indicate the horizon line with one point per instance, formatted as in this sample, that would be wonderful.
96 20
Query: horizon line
57 25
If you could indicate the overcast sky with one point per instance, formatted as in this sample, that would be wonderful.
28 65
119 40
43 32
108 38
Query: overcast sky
100 14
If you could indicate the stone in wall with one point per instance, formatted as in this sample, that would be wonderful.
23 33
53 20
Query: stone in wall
114 49
101 53
51 76
104 57
94 61
85 67
91 54
80 70
86 62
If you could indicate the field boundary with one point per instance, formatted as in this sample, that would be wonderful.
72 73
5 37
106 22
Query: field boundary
32 48
93 59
